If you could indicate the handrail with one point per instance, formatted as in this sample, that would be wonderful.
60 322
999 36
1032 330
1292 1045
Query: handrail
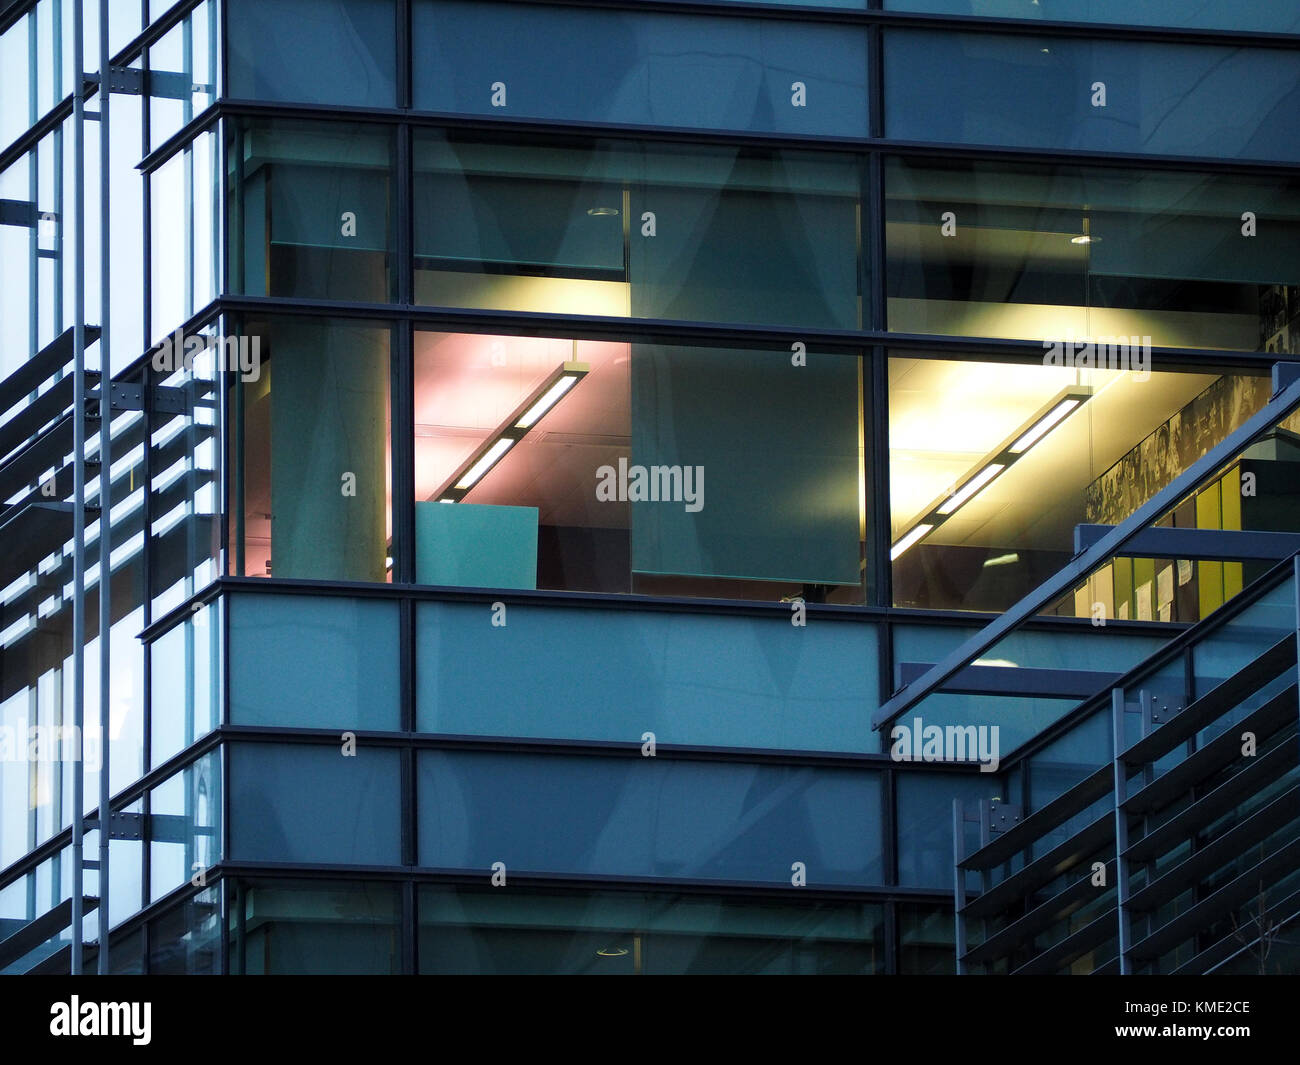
1283 401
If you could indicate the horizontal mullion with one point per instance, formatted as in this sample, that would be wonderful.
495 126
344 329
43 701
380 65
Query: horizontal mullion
549 130
536 323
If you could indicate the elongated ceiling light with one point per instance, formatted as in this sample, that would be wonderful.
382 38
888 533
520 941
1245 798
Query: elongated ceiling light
539 403
996 463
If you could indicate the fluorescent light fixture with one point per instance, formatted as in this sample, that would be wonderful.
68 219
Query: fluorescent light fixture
994 464
485 463
522 419
1045 425
1085 237
971 487
907 541
552 397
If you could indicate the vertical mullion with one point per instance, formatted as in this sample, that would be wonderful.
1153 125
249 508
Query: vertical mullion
405 90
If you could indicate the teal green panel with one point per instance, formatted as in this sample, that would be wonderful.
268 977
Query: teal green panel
690 678
475 545
776 447
314 661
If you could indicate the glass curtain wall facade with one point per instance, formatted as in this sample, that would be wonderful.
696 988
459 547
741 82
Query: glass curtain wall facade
612 406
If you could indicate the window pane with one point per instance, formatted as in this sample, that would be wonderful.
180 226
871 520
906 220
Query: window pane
1108 96
1073 252
606 466
186 683
182 73
648 817
612 675
699 234
311 211
474 930
313 662
287 927
1263 16
185 825
985 500
185 532
926 941
925 851
640 68
313 803
343 51
186 941
313 475
184 235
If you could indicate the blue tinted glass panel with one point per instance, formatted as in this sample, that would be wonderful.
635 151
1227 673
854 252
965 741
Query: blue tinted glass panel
648 817
313 804
473 929
185 678
693 233
313 662
1109 96
640 68
185 825
613 675
300 927
313 51
925 851
1263 16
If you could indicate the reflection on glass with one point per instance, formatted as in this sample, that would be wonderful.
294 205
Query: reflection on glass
286 927
343 52
572 814
311 211
1265 16
185 825
1012 90
1059 253
700 234
467 930
640 68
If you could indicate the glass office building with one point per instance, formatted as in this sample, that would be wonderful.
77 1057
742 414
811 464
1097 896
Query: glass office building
630 487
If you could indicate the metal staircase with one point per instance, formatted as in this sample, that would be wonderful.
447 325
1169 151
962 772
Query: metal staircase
1181 852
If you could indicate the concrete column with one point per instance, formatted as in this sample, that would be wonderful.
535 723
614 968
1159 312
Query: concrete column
329 443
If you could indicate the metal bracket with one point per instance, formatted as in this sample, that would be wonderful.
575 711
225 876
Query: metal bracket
121 826
997 817
169 400
1285 373
132 81
19 213
126 80
123 396
1158 706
